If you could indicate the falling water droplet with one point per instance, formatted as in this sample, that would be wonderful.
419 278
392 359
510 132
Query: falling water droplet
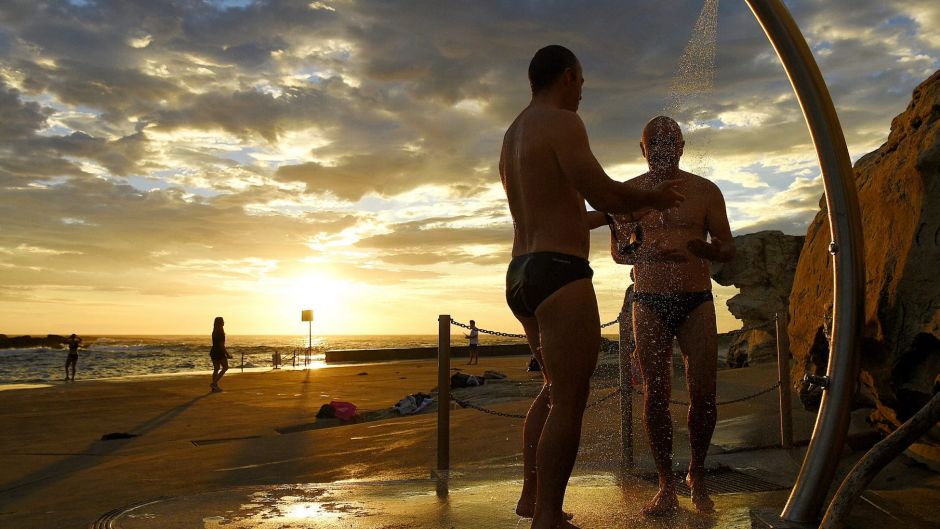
693 82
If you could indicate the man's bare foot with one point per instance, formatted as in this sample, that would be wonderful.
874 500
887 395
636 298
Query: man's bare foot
701 500
526 508
557 524
665 503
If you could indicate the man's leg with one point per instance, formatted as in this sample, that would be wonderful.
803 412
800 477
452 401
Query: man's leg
698 339
654 350
570 332
67 362
534 421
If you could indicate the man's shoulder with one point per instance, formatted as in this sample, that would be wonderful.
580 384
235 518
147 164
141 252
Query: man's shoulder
558 117
703 182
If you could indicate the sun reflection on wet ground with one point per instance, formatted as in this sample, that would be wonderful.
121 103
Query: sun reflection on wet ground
598 500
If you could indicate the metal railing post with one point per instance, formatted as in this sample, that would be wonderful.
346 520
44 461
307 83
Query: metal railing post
783 375
443 392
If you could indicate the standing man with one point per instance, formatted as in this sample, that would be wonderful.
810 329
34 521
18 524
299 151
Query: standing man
548 171
72 359
672 298
474 338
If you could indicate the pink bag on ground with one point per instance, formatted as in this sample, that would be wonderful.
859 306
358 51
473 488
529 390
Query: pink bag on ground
345 411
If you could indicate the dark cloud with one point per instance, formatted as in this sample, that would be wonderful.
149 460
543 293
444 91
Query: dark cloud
19 119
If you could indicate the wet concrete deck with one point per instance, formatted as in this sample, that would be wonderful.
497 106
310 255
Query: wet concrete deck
487 498
598 501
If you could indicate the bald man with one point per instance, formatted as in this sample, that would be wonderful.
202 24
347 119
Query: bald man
672 298
548 171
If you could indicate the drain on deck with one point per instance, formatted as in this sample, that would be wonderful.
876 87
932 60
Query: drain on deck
721 481
204 442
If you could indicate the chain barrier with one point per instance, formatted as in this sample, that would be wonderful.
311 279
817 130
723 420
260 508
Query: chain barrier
487 331
612 394
512 335
465 404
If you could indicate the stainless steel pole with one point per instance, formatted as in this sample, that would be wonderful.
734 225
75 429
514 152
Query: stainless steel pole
443 392
822 455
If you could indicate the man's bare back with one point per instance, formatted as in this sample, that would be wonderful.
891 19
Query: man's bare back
548 212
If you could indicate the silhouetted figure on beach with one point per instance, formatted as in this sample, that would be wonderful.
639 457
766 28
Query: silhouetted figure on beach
474 338
218 353
548 170
672 298
72 359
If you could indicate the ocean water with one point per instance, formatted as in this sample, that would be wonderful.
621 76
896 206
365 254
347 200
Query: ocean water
122 356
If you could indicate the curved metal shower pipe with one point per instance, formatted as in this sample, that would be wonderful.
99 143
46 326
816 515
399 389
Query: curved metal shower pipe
819 466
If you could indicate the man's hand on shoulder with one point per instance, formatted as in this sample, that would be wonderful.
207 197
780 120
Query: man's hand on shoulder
665 195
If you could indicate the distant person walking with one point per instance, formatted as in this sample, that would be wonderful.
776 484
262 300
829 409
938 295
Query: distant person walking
72 359
474 338
218 353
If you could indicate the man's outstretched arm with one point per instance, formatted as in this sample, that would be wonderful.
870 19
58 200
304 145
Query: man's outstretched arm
573 151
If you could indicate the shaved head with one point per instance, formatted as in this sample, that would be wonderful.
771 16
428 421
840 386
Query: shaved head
662 143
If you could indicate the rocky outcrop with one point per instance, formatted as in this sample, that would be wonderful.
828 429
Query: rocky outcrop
763 269
18 342
899 198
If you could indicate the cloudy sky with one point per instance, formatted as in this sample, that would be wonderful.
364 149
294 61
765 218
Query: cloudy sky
164 162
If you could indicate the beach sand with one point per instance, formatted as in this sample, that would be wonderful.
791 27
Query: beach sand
57 473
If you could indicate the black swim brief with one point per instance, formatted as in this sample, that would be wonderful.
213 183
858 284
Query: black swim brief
533 277
673 308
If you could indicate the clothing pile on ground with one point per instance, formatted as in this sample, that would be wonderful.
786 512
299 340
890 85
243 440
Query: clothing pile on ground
344 411
463 380
413 404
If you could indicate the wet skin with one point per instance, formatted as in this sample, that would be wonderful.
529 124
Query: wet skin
674 257
548 171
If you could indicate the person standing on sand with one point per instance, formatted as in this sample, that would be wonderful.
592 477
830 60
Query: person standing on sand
72 359
548 171
672 298
218 353
474 338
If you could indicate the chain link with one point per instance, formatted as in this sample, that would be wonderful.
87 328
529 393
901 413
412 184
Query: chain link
465 404
487 331
512 335
612 394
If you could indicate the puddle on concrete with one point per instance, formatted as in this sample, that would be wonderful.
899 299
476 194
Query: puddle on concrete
598 501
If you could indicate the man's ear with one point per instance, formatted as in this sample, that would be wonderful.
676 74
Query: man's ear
569 75
643 150
681 147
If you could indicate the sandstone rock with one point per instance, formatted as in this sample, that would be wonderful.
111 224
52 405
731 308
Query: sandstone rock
763 269
899 197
